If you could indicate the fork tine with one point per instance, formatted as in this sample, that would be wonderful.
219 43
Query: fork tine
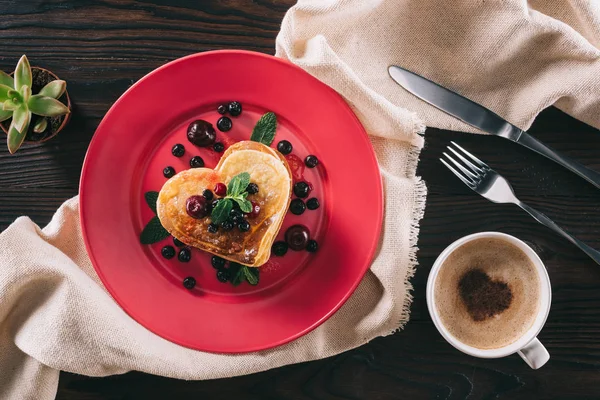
468 163
459 166
475 159
467 182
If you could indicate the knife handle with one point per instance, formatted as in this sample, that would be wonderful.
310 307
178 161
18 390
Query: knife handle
532 143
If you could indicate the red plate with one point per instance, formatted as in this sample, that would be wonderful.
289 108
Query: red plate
296 292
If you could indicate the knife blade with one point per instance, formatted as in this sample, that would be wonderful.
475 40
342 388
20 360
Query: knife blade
481 118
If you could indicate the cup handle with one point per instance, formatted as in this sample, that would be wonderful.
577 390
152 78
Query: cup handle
534 354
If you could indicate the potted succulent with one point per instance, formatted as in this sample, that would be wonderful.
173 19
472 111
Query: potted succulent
34 105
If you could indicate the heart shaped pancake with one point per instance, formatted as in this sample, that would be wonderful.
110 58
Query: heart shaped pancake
267 168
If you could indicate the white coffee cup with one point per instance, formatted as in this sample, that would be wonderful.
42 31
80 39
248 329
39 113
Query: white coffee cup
527 346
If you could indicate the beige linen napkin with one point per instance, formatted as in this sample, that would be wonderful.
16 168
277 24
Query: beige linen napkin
516 59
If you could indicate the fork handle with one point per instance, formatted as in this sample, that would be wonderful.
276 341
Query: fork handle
544 220
532 143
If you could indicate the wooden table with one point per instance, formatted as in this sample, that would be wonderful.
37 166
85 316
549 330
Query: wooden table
102 47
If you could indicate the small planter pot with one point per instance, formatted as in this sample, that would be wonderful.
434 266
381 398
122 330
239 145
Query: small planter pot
41 77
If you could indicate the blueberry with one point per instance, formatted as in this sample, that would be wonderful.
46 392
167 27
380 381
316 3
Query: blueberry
196 162
189 282
178 242
185 255
169 172
218 147
222 275
311 161
301 189
217 262
297 207
244 226
285 147
227 225
208 195
279 248
236 216
213 228
222 109
224 124
201 133
178 150
313 204
168 252
235 108
252 188
312 246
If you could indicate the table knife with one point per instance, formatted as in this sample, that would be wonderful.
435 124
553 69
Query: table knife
480 117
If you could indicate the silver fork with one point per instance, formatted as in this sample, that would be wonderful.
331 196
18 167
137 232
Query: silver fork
479 177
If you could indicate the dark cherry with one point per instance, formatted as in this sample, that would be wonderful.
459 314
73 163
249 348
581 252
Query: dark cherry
235 108
222 275
185 255
244 226
313 204
178 242
169 172
297 237
255 210
297 207
301 189
168 252
220 189
218 147
217 262
224 124
227 225
207 194
222 109
178 150
201 133
197 207
196 162
285 147
311 161
213 228
252 188
279 248
189 282
312 246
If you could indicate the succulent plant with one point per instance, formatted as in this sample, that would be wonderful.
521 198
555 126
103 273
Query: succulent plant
17 102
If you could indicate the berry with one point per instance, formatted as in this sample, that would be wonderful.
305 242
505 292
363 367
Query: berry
311 161
301 189
217 262
218 147
224 124
220 189
222 275
222 109
197 207
255 210
235 108
169 172
185 255
313 204
244 226
236 216
201 133
279 248
227 225
312 246
178 150
297 237
168 252
207 194
297 207
213 228
252 188
189 282
178 242
196 162
285 147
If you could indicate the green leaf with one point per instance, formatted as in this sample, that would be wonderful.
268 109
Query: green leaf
153 232
238 184
21 119
6 79
240 273
251 275
9 105
23 73
221 212
244 204
25 93
264 130
4 115
15 137
4 92
54 89
41 125
151 199
46 106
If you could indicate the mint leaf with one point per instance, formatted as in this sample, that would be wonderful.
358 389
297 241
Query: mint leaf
264 130
244 204
153 232
238 184
237 273
251 275
151 199
221 212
